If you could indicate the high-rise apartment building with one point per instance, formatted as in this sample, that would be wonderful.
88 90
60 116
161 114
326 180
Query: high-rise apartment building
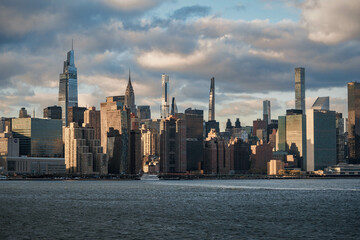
300 89
212 100
68 89
83 153
130 97
172 145
92 119
267 111
165 96
354 122
217 157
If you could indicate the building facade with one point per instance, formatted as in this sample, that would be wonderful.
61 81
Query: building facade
194 138
321 139
144 112
92 119
354 122
39 137
53 112
83 153
172 145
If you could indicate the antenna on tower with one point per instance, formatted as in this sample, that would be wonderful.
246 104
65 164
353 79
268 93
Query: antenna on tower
72 44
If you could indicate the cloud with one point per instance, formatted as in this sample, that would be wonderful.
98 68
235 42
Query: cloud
191 11
132 5
331 21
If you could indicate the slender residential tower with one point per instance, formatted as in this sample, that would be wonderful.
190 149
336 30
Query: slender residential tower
174 108
267 111
165 96
130 96
300 89
212 100
68 89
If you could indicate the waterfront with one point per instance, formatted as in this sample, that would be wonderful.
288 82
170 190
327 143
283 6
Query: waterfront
199 209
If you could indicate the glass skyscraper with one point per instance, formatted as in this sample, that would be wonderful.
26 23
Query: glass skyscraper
68 90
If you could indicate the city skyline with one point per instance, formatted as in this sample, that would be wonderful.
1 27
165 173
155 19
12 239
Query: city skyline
251 49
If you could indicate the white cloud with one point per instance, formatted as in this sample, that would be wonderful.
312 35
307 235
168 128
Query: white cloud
132 5
331 21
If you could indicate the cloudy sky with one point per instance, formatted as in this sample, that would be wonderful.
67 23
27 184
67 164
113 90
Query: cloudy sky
250 47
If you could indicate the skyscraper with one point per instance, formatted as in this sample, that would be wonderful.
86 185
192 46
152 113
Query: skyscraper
174 108
266 111
165 96
212 100
321 103
300 89
354 122
68 90
321 139
130 97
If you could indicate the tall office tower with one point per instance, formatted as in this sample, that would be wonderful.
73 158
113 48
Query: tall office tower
340 138
300 89
172 145
212 100
321 103
165 96
39 137
83 153
174 108
143 112
92 119
267 111
53 112
296 136
321 139
354 122
23 113
194 138
130 97
68 89
216 155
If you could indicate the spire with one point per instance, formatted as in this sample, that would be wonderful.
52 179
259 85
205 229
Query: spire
72 44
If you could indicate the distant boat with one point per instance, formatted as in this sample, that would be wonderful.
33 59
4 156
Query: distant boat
2 177
149 177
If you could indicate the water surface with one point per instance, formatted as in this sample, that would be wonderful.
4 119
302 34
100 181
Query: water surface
198 209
